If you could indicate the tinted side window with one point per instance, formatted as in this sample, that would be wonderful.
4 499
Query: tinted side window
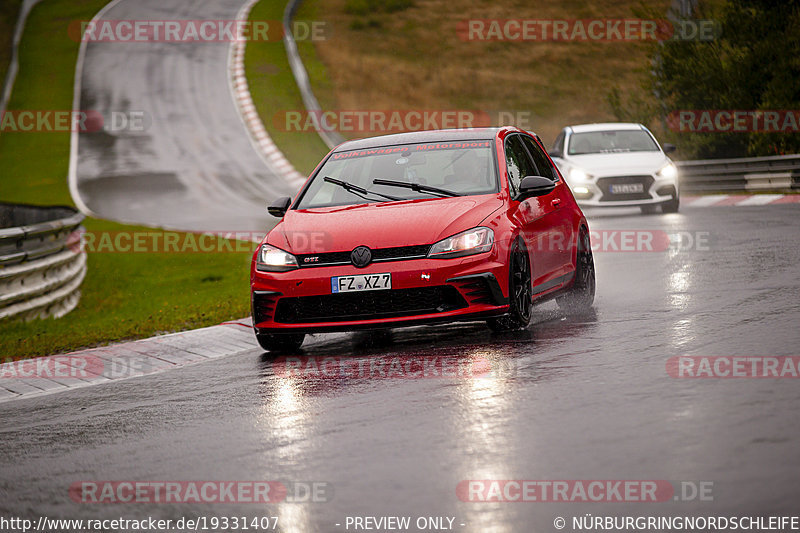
540 159
518 162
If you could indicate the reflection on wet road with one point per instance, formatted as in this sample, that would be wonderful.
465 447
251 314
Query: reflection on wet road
371 415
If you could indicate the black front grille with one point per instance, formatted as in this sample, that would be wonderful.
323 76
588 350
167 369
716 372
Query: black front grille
263 305
378 255
605 186
400 252
368 305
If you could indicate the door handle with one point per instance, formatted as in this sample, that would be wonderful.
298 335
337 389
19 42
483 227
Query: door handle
556 202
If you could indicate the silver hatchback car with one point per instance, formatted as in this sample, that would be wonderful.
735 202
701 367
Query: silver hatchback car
617 164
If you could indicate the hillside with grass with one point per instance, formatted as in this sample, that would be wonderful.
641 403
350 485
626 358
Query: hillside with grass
408 54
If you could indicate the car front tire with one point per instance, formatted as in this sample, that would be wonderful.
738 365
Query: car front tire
520 294
672 206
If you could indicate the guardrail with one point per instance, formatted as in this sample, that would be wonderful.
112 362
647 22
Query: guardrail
774 173
330 138
42 261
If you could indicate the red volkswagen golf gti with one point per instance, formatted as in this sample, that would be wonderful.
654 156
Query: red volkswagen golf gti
414 228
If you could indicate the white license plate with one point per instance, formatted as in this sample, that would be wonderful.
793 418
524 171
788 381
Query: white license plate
361 282
627 188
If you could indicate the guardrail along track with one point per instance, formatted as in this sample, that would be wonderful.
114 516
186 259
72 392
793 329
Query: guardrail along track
330 138
774 173
42 261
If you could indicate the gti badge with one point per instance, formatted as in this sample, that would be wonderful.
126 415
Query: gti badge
426 277
361 256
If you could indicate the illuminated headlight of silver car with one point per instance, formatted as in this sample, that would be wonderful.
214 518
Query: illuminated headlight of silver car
578 175
668 172
470 242
271 259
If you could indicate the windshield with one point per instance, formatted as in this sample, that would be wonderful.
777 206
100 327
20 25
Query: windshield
463 168
597 142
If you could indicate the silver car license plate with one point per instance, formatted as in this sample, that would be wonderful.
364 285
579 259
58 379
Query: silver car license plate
627 188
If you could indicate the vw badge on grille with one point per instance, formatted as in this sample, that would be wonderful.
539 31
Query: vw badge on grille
361 256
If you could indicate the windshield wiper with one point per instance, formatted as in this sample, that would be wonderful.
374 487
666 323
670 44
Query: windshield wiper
359 191
418 187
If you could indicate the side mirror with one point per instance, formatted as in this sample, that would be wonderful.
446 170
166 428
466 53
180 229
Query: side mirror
555 152
279 207
668 148
531 186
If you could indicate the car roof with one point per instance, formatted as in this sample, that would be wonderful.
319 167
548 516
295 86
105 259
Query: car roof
605 126
467 134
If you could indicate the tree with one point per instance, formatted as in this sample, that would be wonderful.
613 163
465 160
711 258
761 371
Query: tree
754 64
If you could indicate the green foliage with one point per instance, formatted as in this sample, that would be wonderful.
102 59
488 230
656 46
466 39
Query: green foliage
631 108
753 65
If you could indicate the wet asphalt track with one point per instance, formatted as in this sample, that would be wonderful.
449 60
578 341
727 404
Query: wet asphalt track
180 156
571 398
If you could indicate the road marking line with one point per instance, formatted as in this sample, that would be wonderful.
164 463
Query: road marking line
760 199
705 201
788 199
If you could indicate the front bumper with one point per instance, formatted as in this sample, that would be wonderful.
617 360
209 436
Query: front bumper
597 192
423 291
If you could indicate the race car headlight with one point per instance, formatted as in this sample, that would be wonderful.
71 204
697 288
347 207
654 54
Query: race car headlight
470 242
578 174
668 171
273 259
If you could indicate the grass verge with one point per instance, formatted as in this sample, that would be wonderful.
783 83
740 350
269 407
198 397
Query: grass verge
275 92
125 295
136 295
